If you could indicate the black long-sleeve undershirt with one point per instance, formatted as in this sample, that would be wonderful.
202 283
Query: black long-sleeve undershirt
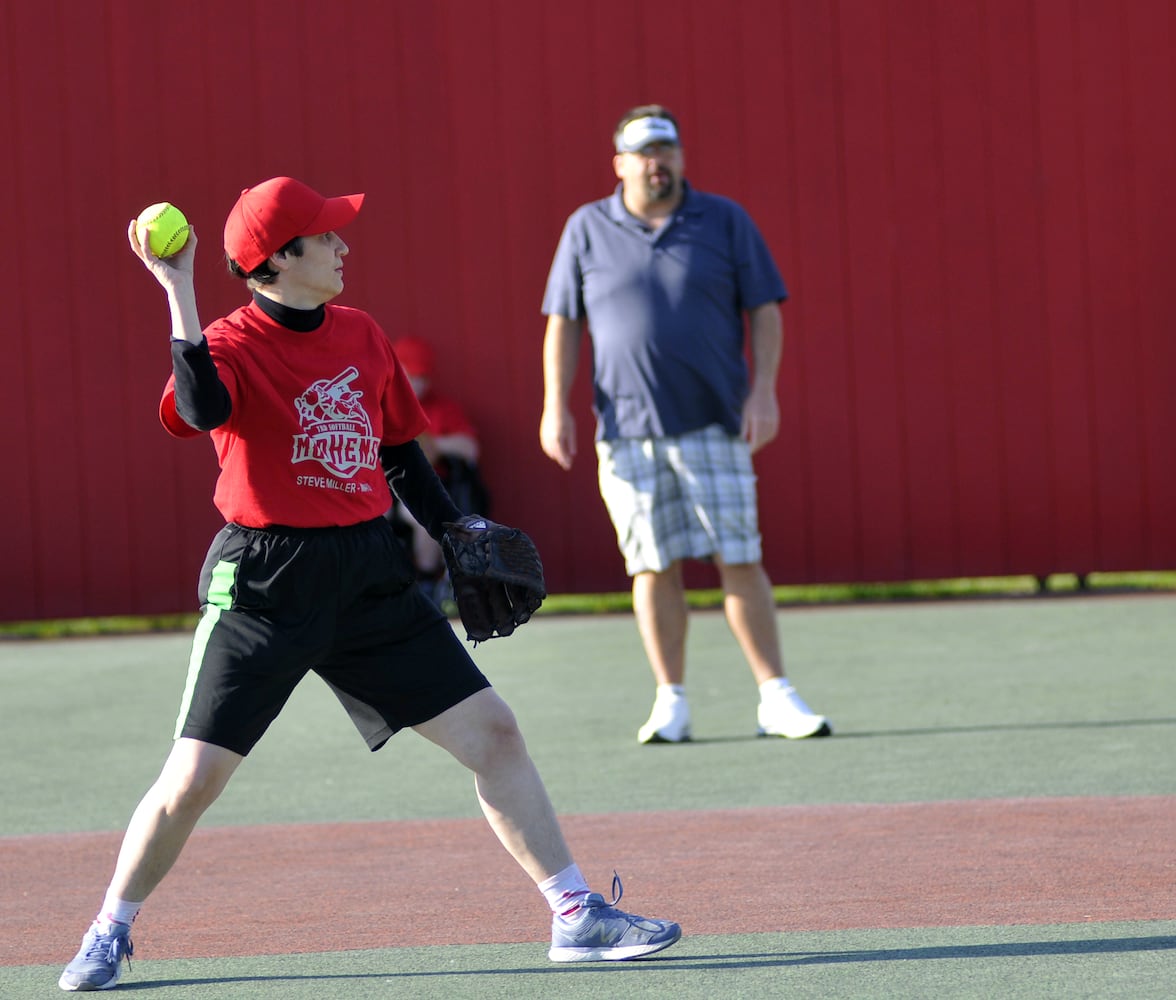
414 483
202 401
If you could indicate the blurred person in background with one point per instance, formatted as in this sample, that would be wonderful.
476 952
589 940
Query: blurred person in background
451 445
664 277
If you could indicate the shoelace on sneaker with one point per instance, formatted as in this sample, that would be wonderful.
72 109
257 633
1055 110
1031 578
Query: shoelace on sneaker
111 948
618 890
590 901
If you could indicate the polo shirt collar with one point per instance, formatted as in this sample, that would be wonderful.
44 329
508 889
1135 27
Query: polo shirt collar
618 213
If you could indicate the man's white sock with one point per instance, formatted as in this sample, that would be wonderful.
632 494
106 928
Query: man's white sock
770 687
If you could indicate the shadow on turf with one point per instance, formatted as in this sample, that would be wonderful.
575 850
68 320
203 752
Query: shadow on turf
1009 949
1012 727
995 727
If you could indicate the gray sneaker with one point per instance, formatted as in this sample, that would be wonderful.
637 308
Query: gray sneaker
600 933
98 963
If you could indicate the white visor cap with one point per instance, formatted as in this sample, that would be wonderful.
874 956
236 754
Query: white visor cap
640 132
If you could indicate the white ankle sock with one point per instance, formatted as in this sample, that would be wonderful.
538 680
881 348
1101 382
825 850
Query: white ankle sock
670 692
115 910
770 687
564 890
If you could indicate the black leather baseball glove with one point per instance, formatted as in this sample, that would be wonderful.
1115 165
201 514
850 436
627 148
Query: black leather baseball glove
496 575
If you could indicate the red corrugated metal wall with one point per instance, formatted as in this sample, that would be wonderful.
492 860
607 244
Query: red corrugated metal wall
971 202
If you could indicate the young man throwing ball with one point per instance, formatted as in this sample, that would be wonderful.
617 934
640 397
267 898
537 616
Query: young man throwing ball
312 418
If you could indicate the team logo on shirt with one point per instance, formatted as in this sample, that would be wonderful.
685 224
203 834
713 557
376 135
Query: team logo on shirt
337 431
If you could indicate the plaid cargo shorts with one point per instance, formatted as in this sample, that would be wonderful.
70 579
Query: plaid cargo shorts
686 497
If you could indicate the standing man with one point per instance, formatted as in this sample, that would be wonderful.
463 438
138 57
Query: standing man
662 276
313 418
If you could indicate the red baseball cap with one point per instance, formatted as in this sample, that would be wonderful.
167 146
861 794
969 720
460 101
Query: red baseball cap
416 356
270 215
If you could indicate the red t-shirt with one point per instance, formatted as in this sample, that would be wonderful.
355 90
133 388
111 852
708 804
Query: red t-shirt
310 412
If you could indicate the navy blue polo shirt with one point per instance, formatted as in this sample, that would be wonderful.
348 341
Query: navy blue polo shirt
665 310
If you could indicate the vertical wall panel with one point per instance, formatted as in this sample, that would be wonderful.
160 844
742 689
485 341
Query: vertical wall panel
1149 108
818 339
972 328
26 570
1018 331
1107 161
772 198
1066 287
921 307
524 255
99 461
971 203
43 164
868 237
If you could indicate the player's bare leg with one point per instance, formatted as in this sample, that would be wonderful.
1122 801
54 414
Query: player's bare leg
192 778
481 733
659 604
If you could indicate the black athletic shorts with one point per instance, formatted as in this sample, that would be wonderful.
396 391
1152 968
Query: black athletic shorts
342 602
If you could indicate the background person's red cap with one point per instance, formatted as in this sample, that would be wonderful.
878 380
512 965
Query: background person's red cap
416 356
270 215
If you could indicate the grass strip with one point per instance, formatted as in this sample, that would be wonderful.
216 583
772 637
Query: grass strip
967 588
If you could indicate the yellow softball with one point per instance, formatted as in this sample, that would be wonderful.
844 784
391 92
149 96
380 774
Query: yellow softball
165 228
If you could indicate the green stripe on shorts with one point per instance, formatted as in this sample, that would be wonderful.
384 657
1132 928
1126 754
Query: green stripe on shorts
220 586
220 597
